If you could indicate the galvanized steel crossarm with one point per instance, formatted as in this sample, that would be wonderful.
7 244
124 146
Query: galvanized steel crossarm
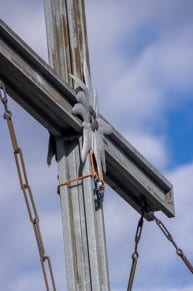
50 101
31 82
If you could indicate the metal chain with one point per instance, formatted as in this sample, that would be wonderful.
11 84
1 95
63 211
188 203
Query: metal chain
168 235
135 255
28 196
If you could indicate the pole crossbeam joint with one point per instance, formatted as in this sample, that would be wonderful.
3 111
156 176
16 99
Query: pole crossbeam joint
99 184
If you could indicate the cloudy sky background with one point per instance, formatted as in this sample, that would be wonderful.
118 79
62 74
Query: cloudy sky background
142 66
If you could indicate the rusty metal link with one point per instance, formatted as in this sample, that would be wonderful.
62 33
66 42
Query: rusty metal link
168 235
39 238
43 263
135 255
28 196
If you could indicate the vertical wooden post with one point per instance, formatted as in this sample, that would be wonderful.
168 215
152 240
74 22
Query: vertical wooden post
83 225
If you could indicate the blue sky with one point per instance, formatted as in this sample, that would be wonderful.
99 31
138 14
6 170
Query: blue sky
141 56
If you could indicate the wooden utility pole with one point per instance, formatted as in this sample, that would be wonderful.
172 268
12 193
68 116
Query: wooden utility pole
45 94
83 224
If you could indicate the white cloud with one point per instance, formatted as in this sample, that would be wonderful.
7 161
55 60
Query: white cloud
26 18
140 92
152 148
134 88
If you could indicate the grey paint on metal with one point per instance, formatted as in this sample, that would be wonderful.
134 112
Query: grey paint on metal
93 224
66 206
94 127
31 82
73 217
86 262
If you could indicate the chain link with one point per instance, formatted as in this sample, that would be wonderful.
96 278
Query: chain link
168 235
135 255
28 196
